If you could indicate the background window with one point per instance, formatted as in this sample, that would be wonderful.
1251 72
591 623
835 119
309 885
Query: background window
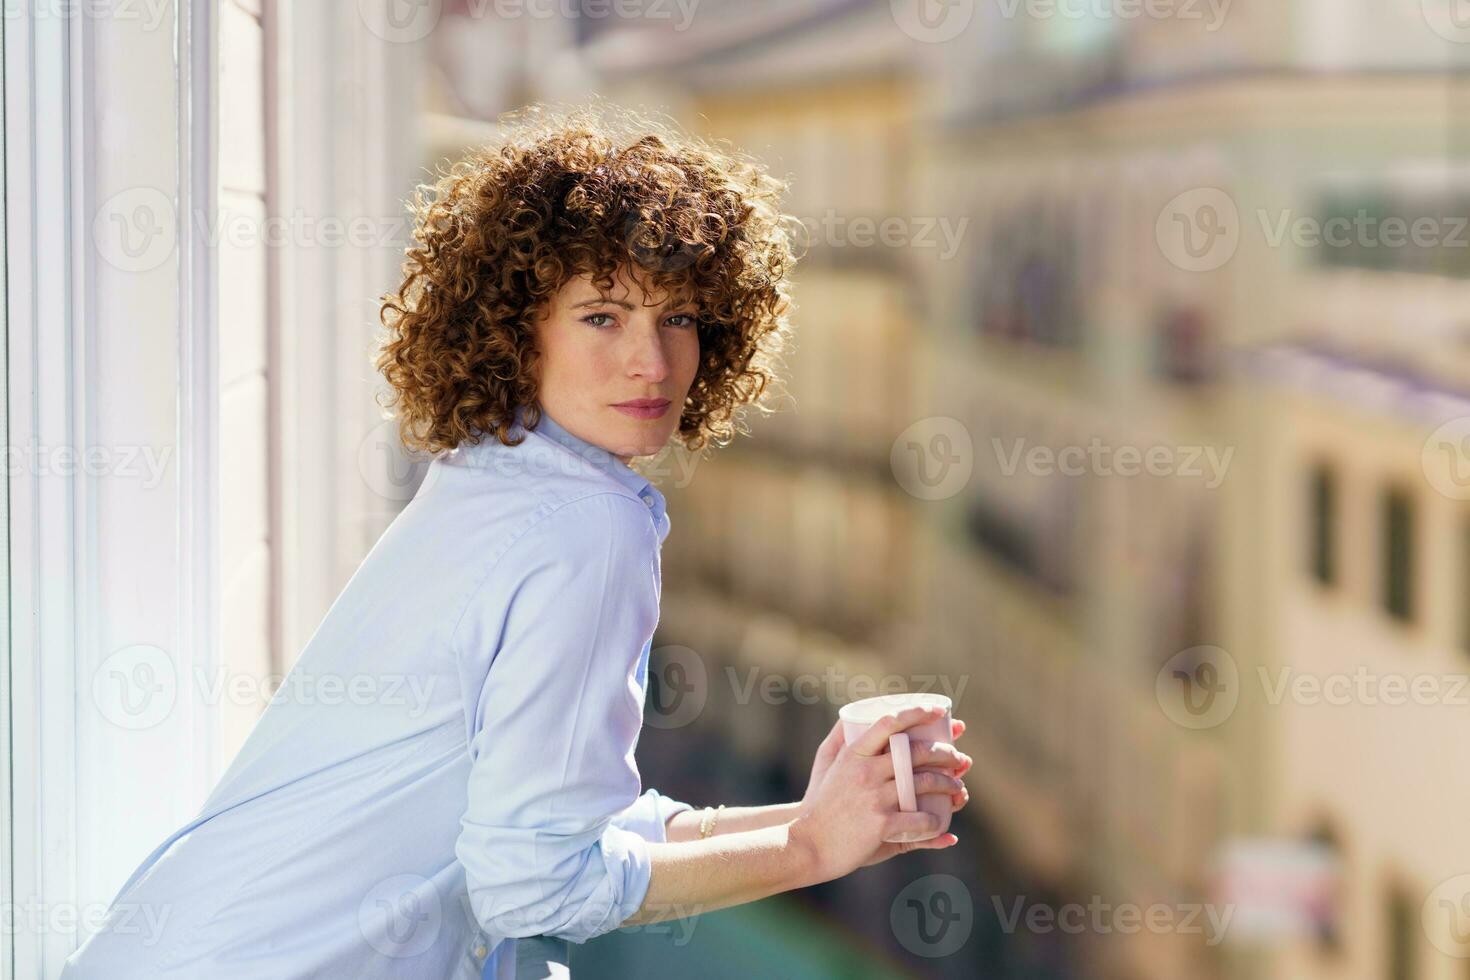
1465 586
1403 930
1324 524
1398 555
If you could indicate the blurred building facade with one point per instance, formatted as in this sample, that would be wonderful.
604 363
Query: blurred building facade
1084 319
1356 578
1063 329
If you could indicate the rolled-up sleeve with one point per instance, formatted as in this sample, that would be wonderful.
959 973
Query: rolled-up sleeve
649 815
562 619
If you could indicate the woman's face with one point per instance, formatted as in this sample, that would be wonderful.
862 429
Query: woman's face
604 354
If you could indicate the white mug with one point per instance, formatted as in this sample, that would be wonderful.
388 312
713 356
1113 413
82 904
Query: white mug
858 716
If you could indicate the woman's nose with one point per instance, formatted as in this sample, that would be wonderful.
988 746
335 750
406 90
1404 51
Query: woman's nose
648 359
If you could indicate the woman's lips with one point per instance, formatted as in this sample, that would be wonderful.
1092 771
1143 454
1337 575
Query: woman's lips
645 408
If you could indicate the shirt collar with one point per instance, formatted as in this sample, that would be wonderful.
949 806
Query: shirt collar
604 461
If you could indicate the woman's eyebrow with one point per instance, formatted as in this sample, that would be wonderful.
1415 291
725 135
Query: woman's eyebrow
601 300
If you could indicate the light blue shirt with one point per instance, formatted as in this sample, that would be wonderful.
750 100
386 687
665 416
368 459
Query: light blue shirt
449 764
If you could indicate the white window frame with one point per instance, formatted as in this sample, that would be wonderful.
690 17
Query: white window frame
83 538
86 550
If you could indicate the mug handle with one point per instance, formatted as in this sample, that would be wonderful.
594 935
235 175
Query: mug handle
903 770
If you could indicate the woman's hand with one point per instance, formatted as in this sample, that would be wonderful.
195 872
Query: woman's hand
930 754
826 755
852 801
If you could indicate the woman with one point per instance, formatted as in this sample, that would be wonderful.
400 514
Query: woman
575 299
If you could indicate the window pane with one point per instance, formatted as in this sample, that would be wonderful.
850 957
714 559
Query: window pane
1324 525
1398 555
1403 923
1465 586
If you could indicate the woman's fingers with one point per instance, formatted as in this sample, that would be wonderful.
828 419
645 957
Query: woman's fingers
873 741
927 781
945 839
933 781
832 744
926 753
917 822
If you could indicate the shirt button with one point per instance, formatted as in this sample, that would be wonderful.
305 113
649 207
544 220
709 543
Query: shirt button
480 951
648 501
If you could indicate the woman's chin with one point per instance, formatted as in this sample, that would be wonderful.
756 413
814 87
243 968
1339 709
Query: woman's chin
643 438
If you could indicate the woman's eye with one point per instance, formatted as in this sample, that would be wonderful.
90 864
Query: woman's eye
607 320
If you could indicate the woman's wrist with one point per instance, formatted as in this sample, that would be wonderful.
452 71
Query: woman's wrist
698 876
685 824
804 852
709 820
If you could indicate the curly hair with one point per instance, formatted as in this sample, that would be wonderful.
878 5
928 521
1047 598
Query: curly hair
589 191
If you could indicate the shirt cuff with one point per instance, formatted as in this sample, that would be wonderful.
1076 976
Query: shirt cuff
648 816
626 856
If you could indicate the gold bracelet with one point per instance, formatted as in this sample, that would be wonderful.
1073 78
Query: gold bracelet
707 822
